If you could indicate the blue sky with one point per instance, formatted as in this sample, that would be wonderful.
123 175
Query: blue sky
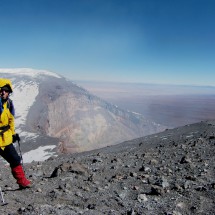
151 41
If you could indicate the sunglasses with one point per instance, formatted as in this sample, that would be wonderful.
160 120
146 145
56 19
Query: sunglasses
3 90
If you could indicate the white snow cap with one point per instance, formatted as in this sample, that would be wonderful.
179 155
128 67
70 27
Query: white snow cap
28 71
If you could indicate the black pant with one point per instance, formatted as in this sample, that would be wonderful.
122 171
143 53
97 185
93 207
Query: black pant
10 155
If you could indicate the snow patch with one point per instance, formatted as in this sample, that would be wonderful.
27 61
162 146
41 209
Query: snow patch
27 136
135 113
40 154
27 92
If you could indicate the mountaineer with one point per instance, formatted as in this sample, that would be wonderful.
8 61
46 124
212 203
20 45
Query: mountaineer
8 135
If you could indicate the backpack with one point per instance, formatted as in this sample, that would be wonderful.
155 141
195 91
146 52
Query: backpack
10 106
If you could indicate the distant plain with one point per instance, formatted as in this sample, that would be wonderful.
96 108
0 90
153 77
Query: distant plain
170 105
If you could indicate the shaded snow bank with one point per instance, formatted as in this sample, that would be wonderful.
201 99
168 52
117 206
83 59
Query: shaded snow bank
40 154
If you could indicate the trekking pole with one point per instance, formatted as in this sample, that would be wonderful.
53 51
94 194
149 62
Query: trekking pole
2 198
20 153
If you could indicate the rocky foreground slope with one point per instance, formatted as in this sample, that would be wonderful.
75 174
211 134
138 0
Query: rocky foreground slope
170 173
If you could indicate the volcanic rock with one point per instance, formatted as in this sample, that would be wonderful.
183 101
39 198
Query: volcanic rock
172 172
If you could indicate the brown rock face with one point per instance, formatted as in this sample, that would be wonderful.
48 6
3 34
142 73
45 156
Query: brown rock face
82 121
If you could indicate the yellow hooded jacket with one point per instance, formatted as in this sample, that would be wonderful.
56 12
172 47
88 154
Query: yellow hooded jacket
6 118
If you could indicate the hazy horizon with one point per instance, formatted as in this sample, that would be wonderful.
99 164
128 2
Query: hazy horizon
170 105
154 87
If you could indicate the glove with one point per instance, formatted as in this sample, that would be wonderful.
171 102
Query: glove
16 138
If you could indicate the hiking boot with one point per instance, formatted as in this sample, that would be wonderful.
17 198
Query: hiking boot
24 184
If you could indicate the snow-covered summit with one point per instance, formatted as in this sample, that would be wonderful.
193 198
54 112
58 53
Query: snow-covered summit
28 72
